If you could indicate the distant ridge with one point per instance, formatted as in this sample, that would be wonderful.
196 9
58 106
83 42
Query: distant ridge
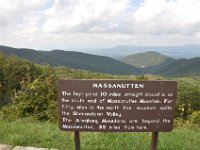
150 58
74 60
179 67
120 51
79 60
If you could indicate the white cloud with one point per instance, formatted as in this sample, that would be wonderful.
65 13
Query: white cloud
20 15
49 24
168 17
84 16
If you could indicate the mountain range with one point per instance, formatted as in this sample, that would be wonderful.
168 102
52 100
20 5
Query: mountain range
74 60
120 51
155 63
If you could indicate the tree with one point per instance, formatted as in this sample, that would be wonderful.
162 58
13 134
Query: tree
36 99
2 80
188 99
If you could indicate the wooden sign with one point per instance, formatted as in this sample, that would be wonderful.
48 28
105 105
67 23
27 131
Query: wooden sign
116 105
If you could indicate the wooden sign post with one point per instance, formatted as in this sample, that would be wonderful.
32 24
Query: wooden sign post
154 140
116 106
77 140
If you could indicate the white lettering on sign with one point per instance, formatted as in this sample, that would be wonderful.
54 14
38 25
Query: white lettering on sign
114 85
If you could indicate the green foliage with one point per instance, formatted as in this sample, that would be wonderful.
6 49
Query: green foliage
35 98
141 77
188 98
17 70
195 117
63 72
13 70
2 80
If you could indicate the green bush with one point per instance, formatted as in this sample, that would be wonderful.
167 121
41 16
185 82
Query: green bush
36 98
195 117
187 100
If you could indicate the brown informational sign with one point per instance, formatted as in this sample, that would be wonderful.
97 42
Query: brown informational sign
116 105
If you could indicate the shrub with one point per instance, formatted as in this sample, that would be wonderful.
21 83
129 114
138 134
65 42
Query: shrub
195 117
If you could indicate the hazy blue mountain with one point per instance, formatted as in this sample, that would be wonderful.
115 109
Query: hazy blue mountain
75 60
119 52
146 59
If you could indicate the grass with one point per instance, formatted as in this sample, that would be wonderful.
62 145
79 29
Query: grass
28 132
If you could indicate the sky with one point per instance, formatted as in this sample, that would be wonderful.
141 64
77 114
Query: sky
82 24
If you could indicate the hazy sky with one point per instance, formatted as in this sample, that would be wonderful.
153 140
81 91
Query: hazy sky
66 24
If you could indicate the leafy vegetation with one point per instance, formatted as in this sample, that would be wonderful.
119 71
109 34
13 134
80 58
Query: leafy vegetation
146 59
188 98
13 71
